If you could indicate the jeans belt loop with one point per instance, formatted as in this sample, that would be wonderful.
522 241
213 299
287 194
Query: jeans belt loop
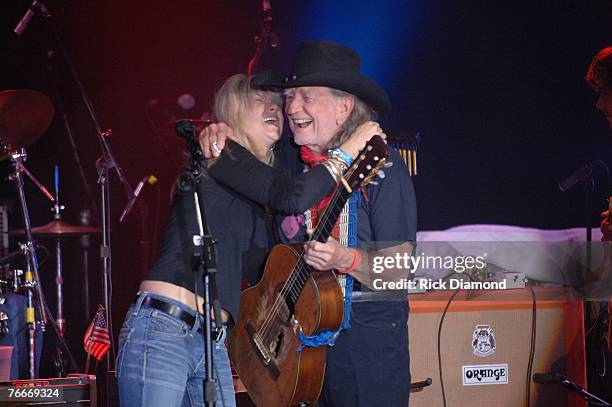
140 296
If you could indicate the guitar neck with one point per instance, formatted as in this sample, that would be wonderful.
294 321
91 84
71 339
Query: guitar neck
365 166
328 219
325 225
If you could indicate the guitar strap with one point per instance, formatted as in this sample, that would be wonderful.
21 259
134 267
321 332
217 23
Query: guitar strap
345 231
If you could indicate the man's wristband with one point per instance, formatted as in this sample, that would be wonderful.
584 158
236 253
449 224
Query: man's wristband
341 155
353 266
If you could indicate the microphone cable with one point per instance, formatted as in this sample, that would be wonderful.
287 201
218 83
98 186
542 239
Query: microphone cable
439 347
532 344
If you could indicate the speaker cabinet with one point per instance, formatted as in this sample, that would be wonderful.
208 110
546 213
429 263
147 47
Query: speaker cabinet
485 347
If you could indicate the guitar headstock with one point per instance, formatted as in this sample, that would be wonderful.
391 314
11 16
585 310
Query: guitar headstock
367 164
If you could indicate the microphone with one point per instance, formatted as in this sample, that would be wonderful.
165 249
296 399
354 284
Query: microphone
581 174
25 20
150 179
185 128
549 377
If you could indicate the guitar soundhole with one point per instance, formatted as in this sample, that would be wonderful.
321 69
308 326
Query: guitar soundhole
276 344
283 311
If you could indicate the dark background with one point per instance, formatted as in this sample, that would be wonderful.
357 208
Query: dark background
495 90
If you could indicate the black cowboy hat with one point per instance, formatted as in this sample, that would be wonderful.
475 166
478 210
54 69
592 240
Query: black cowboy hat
326 63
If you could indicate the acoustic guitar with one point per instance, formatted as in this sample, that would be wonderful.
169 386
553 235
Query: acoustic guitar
292 298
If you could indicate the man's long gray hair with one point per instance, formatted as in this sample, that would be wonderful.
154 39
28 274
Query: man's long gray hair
361 113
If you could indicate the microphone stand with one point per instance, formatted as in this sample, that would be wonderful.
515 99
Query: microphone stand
59 107
104 164
203 261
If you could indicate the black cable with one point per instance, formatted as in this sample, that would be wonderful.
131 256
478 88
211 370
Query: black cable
39 246
439 347
594 324
586 396
533 343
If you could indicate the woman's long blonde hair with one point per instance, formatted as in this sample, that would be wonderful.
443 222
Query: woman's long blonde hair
233 97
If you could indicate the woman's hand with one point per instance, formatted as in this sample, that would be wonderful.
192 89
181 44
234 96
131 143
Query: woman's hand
361 136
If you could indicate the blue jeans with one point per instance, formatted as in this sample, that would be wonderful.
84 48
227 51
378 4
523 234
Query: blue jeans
161 360
369 365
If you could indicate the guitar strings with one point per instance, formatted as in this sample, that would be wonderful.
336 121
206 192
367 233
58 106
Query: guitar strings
297 271
271 322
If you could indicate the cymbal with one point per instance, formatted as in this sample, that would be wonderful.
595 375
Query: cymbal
24 116
59 229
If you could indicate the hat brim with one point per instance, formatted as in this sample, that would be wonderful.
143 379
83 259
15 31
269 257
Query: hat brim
354 83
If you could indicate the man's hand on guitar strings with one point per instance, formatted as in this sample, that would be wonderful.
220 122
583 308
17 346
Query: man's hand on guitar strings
329 255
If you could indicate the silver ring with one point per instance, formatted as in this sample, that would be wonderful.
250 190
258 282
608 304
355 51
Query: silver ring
216 147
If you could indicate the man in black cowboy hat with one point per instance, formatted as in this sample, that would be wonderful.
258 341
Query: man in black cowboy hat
327 98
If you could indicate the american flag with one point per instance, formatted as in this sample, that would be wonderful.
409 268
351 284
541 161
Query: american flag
96 340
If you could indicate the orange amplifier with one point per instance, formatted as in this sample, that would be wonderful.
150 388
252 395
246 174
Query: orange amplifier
485 346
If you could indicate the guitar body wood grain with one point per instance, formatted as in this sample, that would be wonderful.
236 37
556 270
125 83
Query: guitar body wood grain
288 377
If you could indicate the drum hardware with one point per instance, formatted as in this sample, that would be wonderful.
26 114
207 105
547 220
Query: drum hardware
24 117
17 276
32 280
59 230
59 279
85 243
